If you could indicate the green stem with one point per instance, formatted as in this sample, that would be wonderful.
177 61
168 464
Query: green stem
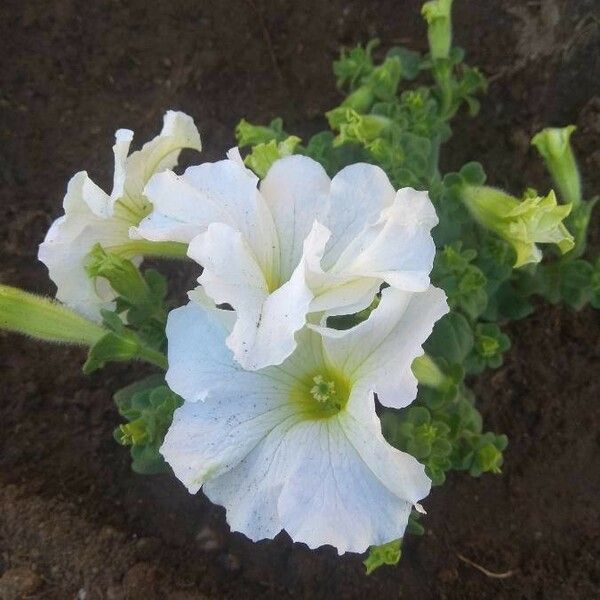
153 357
434 159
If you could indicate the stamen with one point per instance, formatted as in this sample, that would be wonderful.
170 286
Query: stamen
323 390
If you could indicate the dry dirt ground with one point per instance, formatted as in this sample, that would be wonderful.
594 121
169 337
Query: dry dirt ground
74 521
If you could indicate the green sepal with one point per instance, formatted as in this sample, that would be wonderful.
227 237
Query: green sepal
262 156
386 554
358 128
118 345
124 277
384 79
487 454
140 296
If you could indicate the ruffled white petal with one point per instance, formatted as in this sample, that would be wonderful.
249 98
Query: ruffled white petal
221 192
227 410
377 353
357 196
266 322
296 191
92 216
398 248
70 239
315 479
133 172
349 489
248 444
344 296
123 139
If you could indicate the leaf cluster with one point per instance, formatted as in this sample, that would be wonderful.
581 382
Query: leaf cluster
148 406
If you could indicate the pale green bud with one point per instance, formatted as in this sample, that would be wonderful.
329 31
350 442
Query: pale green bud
429 374
45 319
522 223
438 14
555 147
360 99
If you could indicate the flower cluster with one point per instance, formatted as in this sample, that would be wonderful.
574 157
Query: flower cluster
316 380
277 420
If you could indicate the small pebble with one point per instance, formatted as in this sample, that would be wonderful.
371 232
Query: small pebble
208 539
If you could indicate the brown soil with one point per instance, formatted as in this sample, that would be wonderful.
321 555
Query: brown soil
74 521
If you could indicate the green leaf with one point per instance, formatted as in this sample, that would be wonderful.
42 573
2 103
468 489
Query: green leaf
353 65
111 347
473 173
386 554
409 60
451 339
120 345
123 397
509 303
576 282
414 526
595 285
463 282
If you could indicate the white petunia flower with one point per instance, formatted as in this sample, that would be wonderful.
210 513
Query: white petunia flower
303 244
92 216
299 446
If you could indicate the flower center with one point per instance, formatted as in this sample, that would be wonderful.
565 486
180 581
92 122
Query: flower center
323 390
322 395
